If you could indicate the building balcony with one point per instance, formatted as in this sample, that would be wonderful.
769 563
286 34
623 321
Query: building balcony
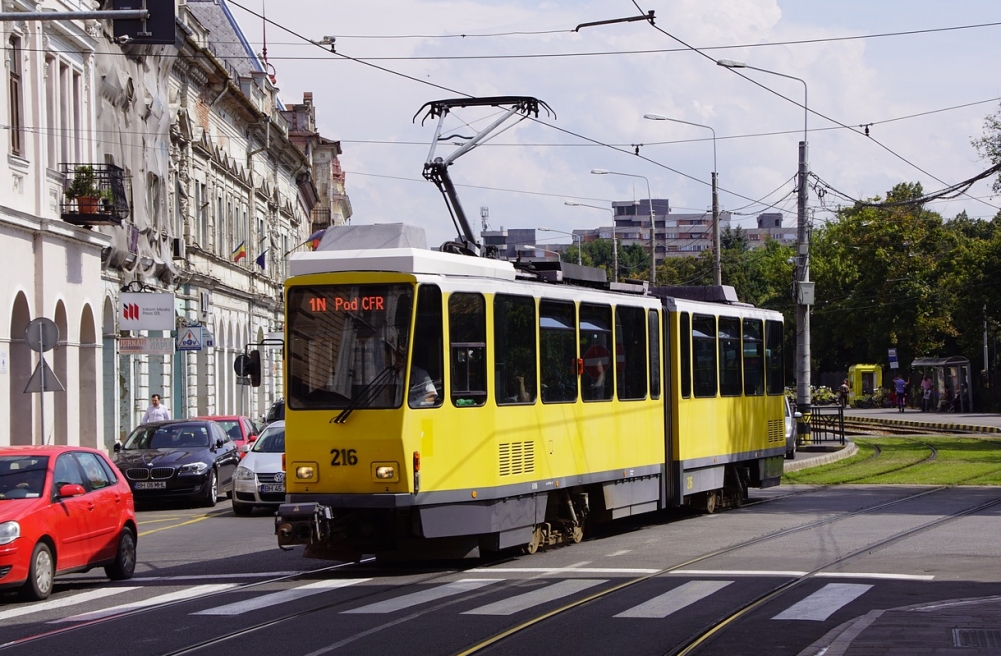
94 194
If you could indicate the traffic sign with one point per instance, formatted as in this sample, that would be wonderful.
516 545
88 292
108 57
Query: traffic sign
597 360
189 339
41 334
242 365
43 379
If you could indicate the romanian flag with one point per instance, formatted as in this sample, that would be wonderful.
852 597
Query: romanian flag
240 252
314 239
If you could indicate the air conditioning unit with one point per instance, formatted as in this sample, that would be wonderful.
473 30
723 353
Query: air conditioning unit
178 249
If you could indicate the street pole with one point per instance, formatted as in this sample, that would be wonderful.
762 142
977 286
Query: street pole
615 246
653 228
804 288
717 269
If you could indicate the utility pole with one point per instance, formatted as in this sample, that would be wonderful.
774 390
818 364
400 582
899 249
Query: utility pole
717 263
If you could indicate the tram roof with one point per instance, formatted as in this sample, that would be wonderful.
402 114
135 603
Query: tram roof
399 260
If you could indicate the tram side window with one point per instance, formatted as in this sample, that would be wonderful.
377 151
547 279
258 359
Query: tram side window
773 357
729 356
558 351
704 348
630 353
686 355
596 348
514 349
467 329
653 334
427 367
754 358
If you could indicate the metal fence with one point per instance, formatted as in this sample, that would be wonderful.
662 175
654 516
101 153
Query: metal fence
827 423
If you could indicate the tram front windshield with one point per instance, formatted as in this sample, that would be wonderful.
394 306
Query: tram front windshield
348 345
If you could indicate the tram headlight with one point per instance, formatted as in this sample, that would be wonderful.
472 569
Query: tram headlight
385 472
305 472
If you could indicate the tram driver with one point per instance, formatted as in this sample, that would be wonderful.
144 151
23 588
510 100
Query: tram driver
422 390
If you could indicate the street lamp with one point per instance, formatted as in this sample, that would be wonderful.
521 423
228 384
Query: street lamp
717 266
615 245
572 237
804 288
653 231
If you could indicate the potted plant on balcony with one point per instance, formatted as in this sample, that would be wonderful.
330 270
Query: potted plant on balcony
84 189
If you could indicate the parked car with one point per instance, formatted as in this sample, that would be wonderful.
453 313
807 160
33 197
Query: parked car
260 478
276 412
180 459
242 430
791 418
62 509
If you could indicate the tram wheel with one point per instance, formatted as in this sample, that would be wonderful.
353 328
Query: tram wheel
711 502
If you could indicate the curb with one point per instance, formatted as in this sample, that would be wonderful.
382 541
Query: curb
940 425
825 459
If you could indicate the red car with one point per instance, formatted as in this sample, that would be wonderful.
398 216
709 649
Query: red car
242 430
62 509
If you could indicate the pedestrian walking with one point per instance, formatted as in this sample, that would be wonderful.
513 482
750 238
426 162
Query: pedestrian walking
156 412
899 385
843 394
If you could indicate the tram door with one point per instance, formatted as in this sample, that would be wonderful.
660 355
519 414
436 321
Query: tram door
661 383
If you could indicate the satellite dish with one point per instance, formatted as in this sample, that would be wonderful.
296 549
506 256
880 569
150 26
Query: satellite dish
41 334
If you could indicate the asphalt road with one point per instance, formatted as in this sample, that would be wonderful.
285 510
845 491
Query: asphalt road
778 576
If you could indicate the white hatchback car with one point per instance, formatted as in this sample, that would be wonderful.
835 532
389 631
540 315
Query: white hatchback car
260 480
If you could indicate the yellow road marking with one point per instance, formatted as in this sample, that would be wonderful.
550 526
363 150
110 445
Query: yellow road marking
193 520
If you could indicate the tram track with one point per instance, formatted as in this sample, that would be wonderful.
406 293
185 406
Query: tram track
693 645
528 624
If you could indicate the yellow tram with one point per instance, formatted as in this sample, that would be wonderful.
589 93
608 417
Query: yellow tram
440 404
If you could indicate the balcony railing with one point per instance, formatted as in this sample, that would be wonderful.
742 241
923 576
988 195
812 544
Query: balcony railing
94 194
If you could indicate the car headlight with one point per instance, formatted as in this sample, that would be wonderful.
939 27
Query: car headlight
244 474
9 531
193 468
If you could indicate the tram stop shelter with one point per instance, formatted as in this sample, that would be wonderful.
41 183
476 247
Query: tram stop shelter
951 388
863 380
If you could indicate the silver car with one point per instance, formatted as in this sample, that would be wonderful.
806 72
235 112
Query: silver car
260 480
791 418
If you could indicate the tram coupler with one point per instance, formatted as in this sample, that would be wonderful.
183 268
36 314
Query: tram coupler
302 523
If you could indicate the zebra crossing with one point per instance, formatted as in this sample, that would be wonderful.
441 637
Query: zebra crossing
816 607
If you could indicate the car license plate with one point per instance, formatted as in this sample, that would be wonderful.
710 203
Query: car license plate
272 487
151 485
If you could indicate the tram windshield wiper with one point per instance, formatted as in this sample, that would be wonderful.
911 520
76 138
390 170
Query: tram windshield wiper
366 395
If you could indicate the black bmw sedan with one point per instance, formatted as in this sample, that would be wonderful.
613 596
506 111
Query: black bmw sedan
179 459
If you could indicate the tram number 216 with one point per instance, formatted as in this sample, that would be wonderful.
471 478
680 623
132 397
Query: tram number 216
347 457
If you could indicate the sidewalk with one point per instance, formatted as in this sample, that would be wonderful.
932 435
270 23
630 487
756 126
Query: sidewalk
969 422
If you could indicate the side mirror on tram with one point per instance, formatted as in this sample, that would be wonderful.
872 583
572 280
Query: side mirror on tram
254 368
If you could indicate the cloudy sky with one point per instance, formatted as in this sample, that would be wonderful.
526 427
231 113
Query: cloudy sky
921 73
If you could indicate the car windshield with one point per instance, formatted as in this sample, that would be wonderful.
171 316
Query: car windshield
348 345
174 436
22 477
271 441
232 427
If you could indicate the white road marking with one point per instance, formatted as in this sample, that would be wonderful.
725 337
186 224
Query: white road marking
621 552
875 575
736 572
670 602
563 570
207 577
529 599
424 596
63 602
275 598
180 595
824 602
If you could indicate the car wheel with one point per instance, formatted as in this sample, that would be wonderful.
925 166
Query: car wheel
791 453
211 490
242 509
40 574
125 560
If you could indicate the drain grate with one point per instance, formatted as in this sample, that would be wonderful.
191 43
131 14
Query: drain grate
984 638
